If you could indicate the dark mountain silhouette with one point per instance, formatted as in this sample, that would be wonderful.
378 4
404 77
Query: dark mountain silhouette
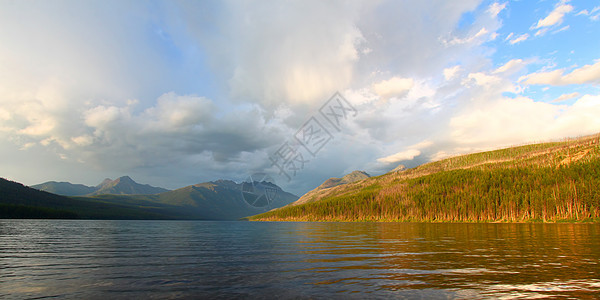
19 201
120 186
216 200
64 188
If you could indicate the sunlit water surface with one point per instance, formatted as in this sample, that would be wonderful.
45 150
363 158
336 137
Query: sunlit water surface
195 259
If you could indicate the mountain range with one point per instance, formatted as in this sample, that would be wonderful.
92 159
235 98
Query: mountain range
120 186
19 201
216 200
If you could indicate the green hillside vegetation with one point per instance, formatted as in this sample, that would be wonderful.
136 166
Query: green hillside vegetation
548 182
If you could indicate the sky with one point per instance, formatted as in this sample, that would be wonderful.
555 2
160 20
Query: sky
174 93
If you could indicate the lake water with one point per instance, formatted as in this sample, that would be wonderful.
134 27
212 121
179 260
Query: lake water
196 259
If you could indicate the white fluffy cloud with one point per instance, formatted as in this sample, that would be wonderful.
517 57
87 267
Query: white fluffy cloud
496 8
582 75
469 39
394 87
594 14
294 52
409 154
518 39
505 122
565 97
452 72
555 17
400 156
511 66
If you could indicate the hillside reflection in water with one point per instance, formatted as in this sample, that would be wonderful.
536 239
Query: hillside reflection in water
124 259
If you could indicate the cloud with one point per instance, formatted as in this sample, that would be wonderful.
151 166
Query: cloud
555 17
176 125
394 87
480 118
409 154
452 72
175 128
482 79
418 52
496 8
505 122
294 52
400 156
510 66
243 74
520 38
467 40
184 92
564 28
589 74
83 140
592 14
175 113
299 53
565 97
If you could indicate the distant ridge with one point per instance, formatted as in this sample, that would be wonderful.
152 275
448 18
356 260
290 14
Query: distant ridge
126 186
121 186
215 200
64 188
330 183
22 202
348 178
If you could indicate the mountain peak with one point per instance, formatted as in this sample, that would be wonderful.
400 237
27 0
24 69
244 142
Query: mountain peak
225 181
399 168
333 182
125 179
348 178
126 185
104 182
355 176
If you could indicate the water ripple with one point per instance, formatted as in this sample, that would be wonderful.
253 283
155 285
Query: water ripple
189 259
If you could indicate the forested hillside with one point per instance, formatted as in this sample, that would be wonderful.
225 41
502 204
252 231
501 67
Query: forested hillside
550 182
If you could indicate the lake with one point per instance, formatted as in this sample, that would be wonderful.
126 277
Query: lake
197 259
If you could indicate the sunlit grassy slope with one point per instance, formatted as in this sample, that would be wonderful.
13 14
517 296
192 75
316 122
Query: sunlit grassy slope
558 181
